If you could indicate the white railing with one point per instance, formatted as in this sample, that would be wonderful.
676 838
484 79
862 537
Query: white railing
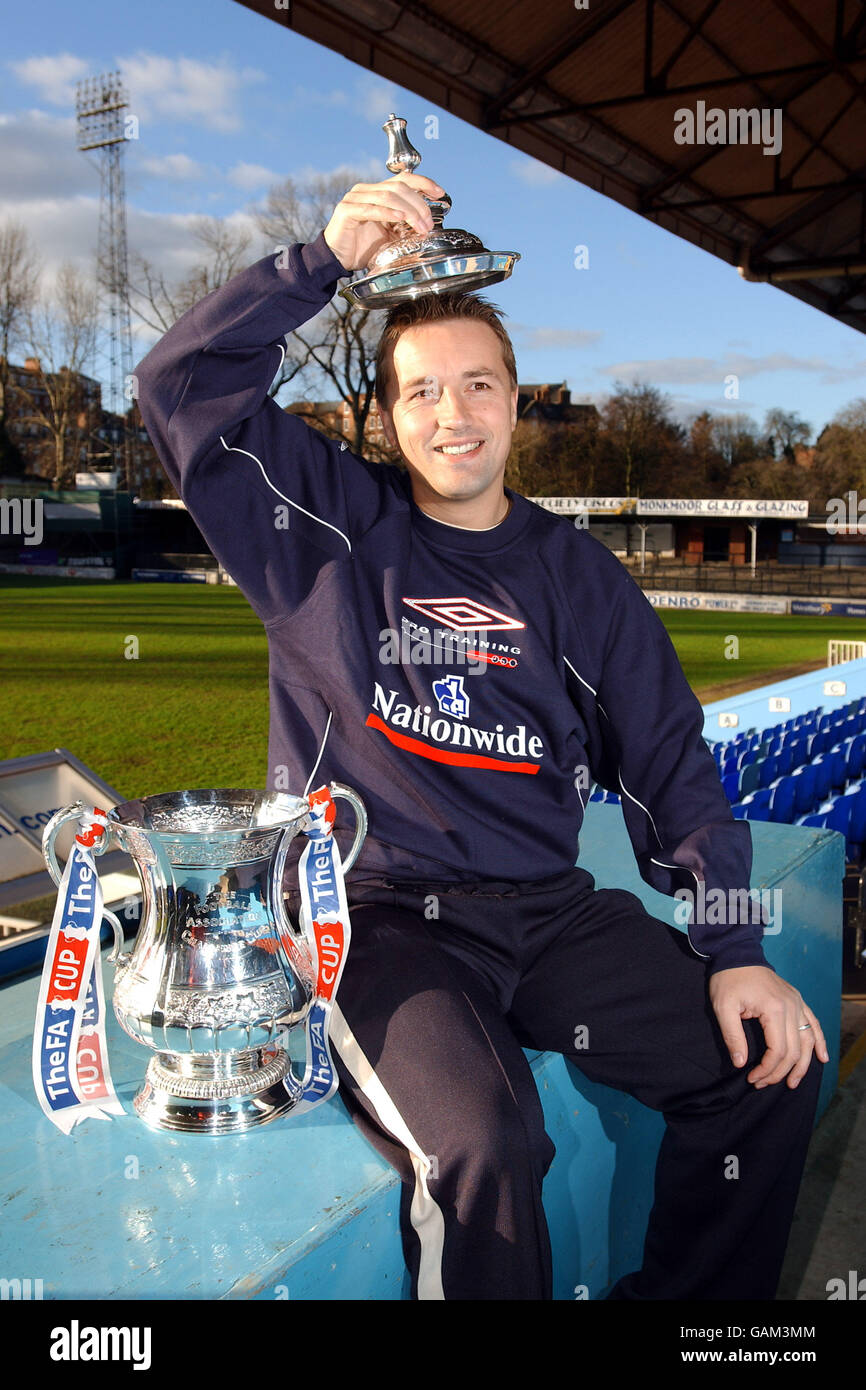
839 651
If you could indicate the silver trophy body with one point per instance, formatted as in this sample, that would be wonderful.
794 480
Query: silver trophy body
413 264
219 972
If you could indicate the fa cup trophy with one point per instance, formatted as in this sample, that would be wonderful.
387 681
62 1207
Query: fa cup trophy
414 264
220 975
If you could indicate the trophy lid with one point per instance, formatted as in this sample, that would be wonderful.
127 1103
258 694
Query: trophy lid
415 263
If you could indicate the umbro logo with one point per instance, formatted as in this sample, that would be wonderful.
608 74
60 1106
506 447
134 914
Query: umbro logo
464 614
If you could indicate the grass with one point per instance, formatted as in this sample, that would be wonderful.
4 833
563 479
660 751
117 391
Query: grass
192 709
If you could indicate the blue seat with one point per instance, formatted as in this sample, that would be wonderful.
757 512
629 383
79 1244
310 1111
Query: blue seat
857 824
784 761
805 781
817 744
817 820
838 767
749 778
739 812
768 771
839 817
731 785
757 804
782 801
801 749
823 767
856 756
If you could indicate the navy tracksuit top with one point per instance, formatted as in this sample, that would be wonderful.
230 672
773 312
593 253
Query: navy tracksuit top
470 770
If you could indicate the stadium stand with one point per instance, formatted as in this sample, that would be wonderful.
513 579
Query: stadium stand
809 770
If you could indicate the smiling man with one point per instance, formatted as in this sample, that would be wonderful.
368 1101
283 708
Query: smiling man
474 932
452 424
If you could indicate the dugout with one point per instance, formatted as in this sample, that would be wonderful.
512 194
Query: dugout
721 530
68 534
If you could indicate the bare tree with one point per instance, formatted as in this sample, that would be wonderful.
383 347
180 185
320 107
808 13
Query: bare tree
336 350
159 304
786 430
736 440
638 434
62 328
19 284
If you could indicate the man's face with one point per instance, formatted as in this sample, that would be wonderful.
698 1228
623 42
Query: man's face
452 390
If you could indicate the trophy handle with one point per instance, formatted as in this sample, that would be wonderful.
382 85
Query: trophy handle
75 811
338 789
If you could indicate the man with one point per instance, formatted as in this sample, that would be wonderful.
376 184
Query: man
473 933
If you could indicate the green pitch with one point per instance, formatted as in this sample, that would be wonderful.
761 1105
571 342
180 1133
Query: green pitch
161 686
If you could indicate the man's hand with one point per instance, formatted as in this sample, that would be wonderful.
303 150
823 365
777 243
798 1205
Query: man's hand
365 218
753 991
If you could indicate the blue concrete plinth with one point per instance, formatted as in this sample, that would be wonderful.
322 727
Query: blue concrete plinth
305 1208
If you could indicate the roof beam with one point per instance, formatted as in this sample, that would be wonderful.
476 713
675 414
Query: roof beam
817 71
551 60
803 216
805 28
694 30
758 195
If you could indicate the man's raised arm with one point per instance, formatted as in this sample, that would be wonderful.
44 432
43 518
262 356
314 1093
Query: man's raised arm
274 499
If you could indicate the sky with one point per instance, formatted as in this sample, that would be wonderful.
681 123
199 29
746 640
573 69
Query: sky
229 103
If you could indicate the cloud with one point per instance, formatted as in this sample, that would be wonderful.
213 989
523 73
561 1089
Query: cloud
685 409
53 77
376 101
533 172
173 166
252 177
39 159
160 88
703 370
365 171
312 96
556 338
187 89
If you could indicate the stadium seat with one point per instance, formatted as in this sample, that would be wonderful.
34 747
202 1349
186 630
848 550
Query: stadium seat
856 756
839 817
731 786
785 761
817 743
768 771
823 767
757 805
749 778
838 766
805 781
796 751
782 801
857 825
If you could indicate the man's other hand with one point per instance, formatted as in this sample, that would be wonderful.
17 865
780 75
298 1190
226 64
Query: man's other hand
753 991
367 216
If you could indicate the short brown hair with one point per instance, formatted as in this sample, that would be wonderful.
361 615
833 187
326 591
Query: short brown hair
436 308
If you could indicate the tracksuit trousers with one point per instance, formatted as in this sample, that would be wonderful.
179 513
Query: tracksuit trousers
443 987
